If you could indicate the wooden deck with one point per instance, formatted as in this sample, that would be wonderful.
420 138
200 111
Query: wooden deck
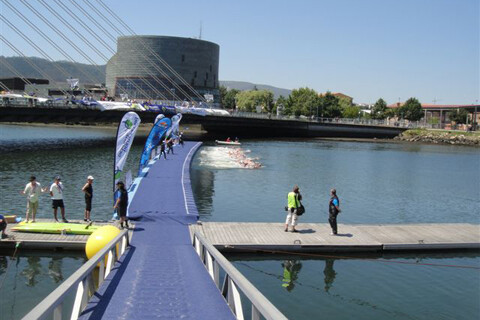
49 241
314 237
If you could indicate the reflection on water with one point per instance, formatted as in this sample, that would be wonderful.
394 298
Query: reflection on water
55 269
203 183
31 270
371 286
329 274
30 277
291 268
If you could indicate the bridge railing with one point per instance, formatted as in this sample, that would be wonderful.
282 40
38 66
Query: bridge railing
353 121
234 283
83 281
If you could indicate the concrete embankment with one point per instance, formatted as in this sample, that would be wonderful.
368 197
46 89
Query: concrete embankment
441 137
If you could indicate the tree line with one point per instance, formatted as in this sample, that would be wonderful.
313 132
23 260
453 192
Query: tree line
309 103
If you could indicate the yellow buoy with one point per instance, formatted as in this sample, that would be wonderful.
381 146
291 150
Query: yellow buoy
99 239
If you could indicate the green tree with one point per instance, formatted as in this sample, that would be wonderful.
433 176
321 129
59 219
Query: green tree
351 112
302 101
281 101
411 110
330 106
459 116
379 110
223 92
249 100
228 97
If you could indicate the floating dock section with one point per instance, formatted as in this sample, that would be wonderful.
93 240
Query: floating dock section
315 237
161 276
46 241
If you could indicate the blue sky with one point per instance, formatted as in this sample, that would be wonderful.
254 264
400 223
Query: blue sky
367 49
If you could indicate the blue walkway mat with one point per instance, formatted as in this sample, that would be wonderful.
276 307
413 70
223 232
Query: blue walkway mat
161 276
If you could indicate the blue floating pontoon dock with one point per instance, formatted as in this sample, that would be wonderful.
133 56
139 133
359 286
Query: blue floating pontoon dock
161 276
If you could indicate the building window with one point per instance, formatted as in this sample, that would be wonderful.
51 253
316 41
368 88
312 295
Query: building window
183 58
192 83
206 75
205 83
195 74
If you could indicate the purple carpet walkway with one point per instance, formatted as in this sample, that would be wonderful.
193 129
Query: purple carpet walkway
160 276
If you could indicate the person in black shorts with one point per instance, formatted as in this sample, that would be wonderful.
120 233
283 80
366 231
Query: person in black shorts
88 190
56 191
122 203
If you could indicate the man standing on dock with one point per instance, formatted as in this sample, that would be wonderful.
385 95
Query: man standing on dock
56 191
293 203
32 190
333 210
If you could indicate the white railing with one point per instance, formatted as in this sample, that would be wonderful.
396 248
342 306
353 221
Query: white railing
234 283
82 281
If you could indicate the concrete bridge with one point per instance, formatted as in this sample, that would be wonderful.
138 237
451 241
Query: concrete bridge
240 126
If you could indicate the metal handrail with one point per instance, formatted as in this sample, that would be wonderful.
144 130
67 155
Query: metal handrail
82 280
233 281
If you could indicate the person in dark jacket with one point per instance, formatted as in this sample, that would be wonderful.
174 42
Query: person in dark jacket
121 204
333 211
88 190
3 227
162 150
170 145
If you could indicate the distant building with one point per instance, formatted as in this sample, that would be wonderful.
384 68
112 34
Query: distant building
18 84
197 62
440 111
50 90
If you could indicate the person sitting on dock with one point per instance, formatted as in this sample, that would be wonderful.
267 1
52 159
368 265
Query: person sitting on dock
333 210
121 204
3 227
32 190
228 140
293 203
56 191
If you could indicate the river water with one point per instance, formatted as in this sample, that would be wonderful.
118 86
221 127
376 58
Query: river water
377 182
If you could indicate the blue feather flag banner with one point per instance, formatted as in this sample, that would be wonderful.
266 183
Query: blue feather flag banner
154 138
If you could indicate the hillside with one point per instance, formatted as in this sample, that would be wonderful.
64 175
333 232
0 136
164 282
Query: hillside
74 70
97 74
240 85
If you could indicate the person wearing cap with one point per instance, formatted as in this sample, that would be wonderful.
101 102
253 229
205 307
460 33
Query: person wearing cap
32 190
56 192
121 204
88 190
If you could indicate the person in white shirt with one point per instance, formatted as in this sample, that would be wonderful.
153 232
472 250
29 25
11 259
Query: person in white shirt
32 190
56 191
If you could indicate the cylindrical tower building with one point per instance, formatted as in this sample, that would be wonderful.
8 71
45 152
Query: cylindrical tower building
195 60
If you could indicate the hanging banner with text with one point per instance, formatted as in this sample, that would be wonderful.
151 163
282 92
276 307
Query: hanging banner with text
126 132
